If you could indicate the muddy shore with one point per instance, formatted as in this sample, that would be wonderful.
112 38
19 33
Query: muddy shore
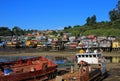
113 68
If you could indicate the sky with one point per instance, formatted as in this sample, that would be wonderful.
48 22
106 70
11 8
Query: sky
52 14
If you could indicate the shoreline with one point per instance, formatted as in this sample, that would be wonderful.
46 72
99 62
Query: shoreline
113 68
54 53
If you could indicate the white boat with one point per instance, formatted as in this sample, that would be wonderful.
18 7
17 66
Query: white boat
90 58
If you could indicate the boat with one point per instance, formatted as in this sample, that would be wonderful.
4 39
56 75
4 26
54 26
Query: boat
90 57
35 68
91 66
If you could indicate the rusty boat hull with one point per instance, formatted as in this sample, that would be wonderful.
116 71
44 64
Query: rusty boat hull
28 69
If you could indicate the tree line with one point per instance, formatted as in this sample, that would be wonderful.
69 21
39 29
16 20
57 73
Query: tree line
5 31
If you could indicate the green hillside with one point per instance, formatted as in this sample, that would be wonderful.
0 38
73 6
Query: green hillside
103 28
111 28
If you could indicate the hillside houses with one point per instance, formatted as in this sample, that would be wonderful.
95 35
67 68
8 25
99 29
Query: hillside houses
66 40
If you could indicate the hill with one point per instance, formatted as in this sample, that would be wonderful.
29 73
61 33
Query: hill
106 28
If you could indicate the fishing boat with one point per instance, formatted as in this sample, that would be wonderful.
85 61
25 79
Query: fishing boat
36 68
90 57
91 67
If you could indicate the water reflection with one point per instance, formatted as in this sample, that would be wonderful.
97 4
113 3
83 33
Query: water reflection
13 58
62 62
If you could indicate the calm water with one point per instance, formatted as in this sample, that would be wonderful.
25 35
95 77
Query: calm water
12 58
60 61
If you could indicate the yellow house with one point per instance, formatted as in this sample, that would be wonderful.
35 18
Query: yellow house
115 60
115 44
27 43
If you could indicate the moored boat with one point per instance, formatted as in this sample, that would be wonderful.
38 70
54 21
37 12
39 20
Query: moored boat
91 67
28 69
91 58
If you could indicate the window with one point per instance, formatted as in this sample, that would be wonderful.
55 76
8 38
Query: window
86 55
83 56
94 55
90 55
79 55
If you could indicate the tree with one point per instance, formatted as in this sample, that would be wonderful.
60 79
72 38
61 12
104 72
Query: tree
61 34
17 31
115 13
5 31
88 21
91 20
69 27
118 9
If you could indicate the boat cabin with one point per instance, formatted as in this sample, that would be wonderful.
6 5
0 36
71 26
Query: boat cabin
91 58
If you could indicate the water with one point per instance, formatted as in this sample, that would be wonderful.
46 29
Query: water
58 59
110 59
62 62
13 58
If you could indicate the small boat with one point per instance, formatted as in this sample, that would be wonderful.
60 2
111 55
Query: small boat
36 68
